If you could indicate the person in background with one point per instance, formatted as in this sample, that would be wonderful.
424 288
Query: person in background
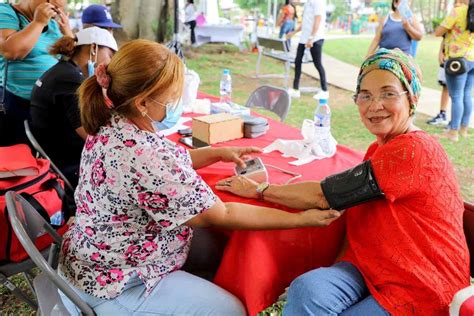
27 30
56 121
405 251
396 31
190 18
441 118
312 37
286 20
139 195
459 42
98 15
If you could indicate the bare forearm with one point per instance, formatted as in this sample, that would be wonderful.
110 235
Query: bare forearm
373 46
414 33
251 217
204 157
19 44
303 195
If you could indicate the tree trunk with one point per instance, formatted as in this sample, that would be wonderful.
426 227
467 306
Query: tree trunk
140 18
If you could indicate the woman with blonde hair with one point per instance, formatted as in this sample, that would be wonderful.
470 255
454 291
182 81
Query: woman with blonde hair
139 196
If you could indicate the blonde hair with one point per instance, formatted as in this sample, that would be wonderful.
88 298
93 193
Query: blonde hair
139 69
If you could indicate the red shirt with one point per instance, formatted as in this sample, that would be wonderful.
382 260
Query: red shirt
410 247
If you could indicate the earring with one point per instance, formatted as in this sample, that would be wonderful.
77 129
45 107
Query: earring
143 113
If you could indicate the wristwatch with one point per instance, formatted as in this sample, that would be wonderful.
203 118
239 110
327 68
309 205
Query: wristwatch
260 189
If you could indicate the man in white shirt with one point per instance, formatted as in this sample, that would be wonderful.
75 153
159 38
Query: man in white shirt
312 37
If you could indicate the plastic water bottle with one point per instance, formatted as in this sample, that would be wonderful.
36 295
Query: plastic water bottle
226 87
322 114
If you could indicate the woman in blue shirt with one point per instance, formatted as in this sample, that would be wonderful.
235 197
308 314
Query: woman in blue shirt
27 30
396 31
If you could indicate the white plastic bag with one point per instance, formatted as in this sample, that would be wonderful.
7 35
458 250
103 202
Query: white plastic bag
190 89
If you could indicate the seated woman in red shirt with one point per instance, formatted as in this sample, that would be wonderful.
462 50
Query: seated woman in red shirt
405 251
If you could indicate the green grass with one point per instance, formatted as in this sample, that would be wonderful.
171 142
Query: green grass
353 51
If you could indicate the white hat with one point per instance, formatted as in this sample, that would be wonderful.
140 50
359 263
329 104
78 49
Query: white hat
96 35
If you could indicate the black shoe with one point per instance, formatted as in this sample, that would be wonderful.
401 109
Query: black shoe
439 119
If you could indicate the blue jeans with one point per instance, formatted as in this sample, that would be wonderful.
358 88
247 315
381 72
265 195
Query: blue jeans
337 290
460 91
287 27
179 293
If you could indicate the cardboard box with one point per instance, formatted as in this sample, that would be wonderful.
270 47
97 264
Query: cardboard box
217 128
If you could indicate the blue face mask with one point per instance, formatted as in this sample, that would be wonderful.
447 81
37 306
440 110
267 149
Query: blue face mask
90 67
172 117
90 63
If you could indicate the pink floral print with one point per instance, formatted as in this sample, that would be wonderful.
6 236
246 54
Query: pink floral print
136 190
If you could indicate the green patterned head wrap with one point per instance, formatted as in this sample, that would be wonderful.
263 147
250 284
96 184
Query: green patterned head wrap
401 65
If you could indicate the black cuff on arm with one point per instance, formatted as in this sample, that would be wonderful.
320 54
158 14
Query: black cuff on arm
351 187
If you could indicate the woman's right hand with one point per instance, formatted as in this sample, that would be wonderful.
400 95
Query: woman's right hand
44 12
315 217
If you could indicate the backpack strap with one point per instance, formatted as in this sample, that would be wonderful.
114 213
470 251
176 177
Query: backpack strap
65 210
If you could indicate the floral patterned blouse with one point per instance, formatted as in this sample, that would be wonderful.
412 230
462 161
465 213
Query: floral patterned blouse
459 41
135 191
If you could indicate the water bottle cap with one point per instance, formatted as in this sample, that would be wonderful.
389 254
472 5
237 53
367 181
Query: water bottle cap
323 101
226 72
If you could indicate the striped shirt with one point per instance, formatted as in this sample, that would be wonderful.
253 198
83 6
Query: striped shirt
22 74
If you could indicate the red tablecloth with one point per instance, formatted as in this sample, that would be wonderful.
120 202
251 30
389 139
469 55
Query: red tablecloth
258 265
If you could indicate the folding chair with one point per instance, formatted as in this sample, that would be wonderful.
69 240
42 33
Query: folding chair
271 98
39 149
28 224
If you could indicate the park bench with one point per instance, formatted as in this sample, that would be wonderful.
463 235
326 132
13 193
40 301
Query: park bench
277 49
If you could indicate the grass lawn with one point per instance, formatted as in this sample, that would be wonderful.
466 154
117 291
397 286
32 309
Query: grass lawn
353 51
209 61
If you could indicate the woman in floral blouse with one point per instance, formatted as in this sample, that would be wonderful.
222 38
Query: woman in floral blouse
139 196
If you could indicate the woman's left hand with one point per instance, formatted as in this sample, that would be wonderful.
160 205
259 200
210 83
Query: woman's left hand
405 23
238 155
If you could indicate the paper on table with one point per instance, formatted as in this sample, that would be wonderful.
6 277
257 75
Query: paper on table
178 126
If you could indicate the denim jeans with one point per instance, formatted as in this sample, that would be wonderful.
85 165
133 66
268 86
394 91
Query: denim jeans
287 27
460 91
179 293
337 290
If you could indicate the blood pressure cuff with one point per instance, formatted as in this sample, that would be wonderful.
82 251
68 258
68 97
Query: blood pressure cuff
351 187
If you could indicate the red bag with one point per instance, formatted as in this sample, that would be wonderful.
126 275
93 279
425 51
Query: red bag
44 191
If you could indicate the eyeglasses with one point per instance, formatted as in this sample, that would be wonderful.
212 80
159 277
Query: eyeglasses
366 99
168 105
